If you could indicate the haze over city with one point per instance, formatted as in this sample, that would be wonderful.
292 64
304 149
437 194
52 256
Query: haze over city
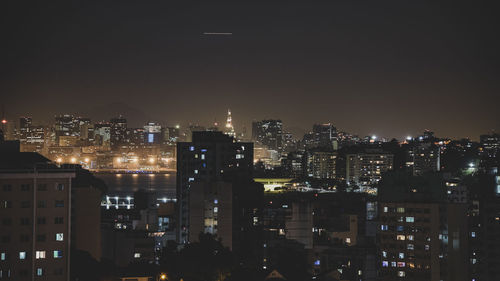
390 68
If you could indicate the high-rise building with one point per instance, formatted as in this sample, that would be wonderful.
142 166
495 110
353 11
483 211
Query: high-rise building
423 234
211 157
25 124
490 145
229 129
211 211
102 134
425 158
153 133
118 131
365 168
321 164
45 212
268 133
484 219
86 130
66 125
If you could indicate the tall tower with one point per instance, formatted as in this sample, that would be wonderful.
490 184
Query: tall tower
229 129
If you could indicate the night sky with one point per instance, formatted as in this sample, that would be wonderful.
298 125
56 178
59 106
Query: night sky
390 68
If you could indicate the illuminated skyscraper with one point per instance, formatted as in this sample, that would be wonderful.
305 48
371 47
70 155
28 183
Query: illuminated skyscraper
268 133
229 129
118 131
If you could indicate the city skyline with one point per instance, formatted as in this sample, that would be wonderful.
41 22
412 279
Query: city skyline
240 127
369 69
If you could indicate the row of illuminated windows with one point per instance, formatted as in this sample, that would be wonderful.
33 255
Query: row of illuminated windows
27 187
24 272
402 210
401 264
38 255
401 228
7 204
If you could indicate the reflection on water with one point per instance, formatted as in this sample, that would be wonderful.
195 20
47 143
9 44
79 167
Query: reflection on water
163 185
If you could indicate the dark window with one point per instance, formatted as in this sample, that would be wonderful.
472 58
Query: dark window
25 204
58 271
24 238
41 220
7 187
59 220
60 187
25 187
7 221
41 238
59 203
25 221
23 272
42 187
6 239
41 204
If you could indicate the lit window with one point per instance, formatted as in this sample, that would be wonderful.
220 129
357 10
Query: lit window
2 256
401 255
384 227
203 157
40 255
57 254
216 201
317 262
386 209
39 271
401 264
473 234
348 240
410 219
410 247
401 210
22 255
401 274
59 236
393 263
400 228
385 264
400 237
384 254
216 209
427 247
137 255
191 148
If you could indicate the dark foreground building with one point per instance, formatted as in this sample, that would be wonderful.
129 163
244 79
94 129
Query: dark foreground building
45 212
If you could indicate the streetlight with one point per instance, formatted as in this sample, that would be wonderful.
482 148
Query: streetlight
163 276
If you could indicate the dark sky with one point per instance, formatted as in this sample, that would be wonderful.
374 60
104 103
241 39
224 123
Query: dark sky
390 68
